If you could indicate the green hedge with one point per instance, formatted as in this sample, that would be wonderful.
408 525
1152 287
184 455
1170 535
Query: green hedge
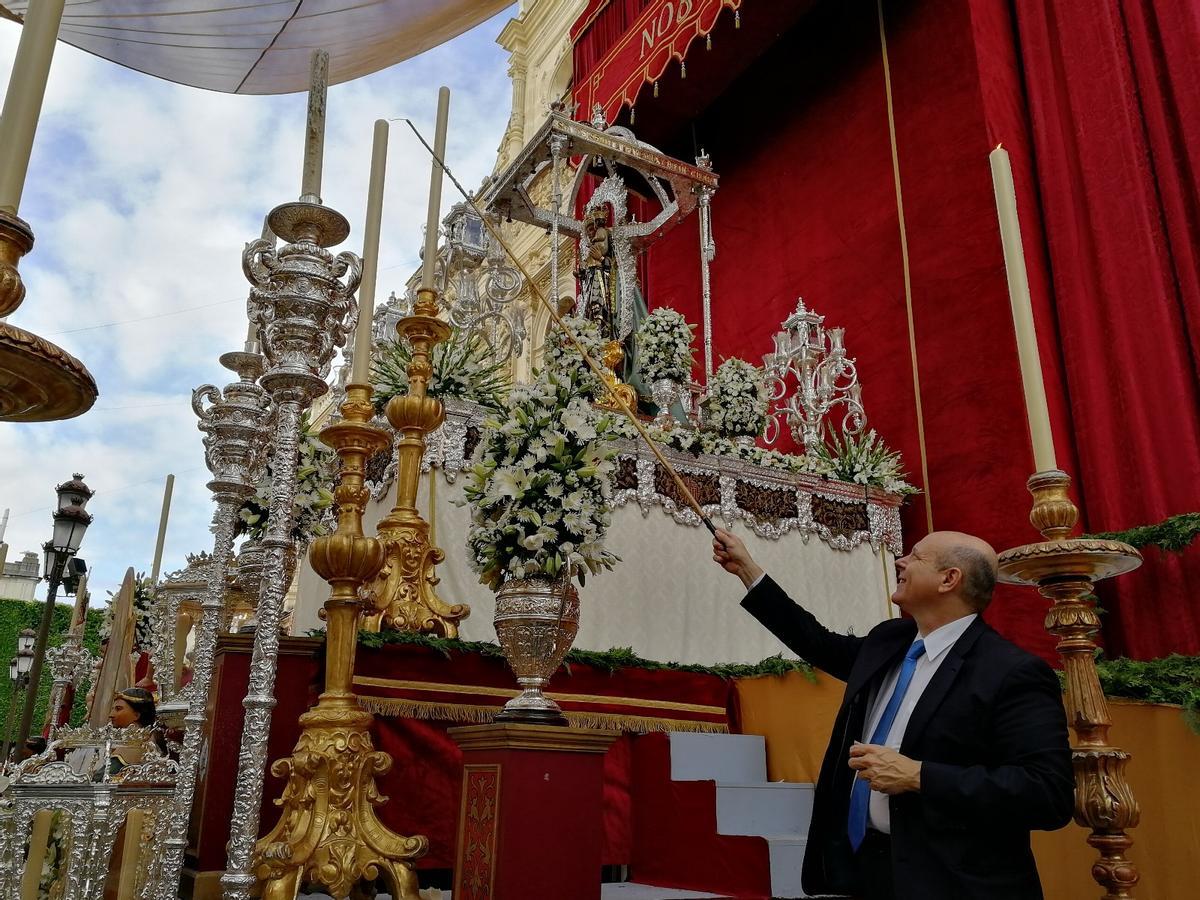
16 615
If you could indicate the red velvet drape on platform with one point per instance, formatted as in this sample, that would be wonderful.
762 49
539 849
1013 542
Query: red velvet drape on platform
1099 105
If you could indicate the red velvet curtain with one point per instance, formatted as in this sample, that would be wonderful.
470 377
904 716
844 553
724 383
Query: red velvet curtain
607 25
1100 108
1113 93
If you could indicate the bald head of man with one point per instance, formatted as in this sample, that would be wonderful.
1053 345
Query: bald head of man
945 569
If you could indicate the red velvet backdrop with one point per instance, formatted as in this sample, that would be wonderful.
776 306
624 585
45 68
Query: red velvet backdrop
1098 105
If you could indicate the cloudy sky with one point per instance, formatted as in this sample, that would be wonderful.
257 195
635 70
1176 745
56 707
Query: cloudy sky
141 195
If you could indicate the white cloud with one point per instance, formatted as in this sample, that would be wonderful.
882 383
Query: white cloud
141 194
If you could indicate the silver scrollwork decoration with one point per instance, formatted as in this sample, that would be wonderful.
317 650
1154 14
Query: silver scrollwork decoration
302 299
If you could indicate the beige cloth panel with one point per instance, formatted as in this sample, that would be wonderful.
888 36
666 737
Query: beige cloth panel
666 598
261 46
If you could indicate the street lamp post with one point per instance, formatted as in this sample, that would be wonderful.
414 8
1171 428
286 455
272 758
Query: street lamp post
71 520
18 674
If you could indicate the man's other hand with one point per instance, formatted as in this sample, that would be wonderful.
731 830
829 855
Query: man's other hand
733 556
884 769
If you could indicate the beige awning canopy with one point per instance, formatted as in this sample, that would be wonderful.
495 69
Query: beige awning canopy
261 46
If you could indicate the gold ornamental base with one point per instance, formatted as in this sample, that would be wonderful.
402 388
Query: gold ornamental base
39 381
1065 571
329 833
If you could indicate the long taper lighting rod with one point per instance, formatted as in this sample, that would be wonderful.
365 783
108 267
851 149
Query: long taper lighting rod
554 316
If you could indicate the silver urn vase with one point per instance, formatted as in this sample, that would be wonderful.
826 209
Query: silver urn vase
536 622
665 393
251 561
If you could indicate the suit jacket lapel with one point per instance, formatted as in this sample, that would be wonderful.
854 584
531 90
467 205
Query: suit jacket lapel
880 653
935 692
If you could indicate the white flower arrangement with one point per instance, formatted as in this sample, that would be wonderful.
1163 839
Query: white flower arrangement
463 368
143 619
846 460
665 346
316 470
865 459
737 400
561 358
540 496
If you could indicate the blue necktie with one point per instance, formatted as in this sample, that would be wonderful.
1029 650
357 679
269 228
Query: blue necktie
860 794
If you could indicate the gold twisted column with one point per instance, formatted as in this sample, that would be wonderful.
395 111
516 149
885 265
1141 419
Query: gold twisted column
328 832
1065 570
407 600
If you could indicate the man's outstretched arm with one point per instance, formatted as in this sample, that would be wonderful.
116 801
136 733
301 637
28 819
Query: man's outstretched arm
795 626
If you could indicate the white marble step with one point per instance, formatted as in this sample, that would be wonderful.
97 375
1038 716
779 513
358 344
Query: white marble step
787 859
764 808
735 758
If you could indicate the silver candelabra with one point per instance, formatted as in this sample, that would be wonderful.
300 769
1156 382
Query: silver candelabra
303 309
235 427
813 359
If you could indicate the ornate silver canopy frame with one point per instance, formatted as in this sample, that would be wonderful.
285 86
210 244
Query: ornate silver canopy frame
679 187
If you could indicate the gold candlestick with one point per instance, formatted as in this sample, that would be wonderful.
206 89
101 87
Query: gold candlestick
1064 570
328 832
405 593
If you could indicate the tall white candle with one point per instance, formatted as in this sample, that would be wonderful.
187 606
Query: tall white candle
314 131
1022 310
435 188
360 372
23 100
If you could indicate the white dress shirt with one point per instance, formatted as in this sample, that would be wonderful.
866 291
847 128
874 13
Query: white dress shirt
937 647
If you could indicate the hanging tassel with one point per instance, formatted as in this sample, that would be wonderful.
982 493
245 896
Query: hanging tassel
632 114
737 19
656 89
682 69
708 42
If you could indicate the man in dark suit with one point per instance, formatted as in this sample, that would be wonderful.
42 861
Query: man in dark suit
951 742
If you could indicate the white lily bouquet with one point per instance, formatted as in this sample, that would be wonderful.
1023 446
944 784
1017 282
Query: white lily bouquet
464 368
865 459
316 469
561 358
665 346
737 400
541 494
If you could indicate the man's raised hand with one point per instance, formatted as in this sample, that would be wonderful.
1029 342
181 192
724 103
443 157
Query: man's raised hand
732 555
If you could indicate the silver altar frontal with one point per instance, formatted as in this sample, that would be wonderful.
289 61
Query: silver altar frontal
84 805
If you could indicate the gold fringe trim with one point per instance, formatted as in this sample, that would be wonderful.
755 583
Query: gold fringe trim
482 715
506 693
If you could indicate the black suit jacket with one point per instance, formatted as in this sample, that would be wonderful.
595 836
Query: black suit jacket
991 736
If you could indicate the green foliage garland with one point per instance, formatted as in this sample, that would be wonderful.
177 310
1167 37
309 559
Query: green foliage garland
1173 679
605 660
1173 534
1170 679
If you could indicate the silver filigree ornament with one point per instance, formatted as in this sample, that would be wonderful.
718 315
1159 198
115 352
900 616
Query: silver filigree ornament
93 801
302 300
813 359
236 427
70 665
